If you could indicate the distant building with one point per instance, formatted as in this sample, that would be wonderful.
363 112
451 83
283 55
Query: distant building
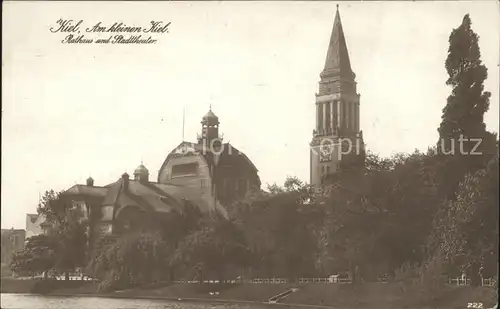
337 111
35 225
12 242
208 174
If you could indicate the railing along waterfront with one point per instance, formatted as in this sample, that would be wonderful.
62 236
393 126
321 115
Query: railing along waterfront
273 281
488 282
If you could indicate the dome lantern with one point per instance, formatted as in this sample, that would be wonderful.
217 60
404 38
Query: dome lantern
209 128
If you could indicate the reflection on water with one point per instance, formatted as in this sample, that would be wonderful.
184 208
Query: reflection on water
26 301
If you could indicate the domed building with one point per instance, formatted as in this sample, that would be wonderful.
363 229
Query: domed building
220 172
208 174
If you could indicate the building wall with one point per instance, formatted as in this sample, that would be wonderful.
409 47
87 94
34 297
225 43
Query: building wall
33 227
80 209
200 181
337 119
322 167
319 167
234 181
12 242
234 177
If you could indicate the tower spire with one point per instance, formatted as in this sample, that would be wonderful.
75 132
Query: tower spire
337 58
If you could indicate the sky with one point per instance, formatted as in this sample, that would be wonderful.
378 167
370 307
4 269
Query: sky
70 111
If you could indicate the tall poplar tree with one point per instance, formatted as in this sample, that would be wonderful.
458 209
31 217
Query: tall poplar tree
463 137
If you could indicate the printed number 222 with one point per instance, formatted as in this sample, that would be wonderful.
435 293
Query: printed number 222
475 305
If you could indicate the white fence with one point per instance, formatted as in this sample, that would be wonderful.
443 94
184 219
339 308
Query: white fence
269 281
329 280
332 279
490 282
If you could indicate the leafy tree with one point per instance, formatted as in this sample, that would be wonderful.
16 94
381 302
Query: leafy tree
279 229
67 228
379 220
133 259
38 255
481 232
181 224
467 228
275 189
214 248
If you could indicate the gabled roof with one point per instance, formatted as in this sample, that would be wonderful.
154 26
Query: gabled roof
156 197
143 195
92 191
191 194
114 195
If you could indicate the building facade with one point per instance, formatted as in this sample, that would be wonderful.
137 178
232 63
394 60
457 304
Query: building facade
35 225
218 170
337 135
12 242
208 174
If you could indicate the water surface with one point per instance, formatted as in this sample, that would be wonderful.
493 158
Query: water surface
28 301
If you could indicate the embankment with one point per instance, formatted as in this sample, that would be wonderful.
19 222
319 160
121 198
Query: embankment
363 296
390 296
40 286
17 286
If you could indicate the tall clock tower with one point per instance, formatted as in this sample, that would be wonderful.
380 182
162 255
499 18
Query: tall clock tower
337 135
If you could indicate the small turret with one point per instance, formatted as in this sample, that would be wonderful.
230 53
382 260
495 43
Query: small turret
141 174
209 129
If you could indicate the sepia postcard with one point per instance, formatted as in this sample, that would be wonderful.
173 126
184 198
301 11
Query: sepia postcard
250 154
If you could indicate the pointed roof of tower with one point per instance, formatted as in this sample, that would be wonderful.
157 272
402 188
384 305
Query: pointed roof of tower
210 117
337 57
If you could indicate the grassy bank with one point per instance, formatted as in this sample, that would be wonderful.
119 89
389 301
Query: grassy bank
369 295
41 286
10 285
364 296
389 296
246 292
